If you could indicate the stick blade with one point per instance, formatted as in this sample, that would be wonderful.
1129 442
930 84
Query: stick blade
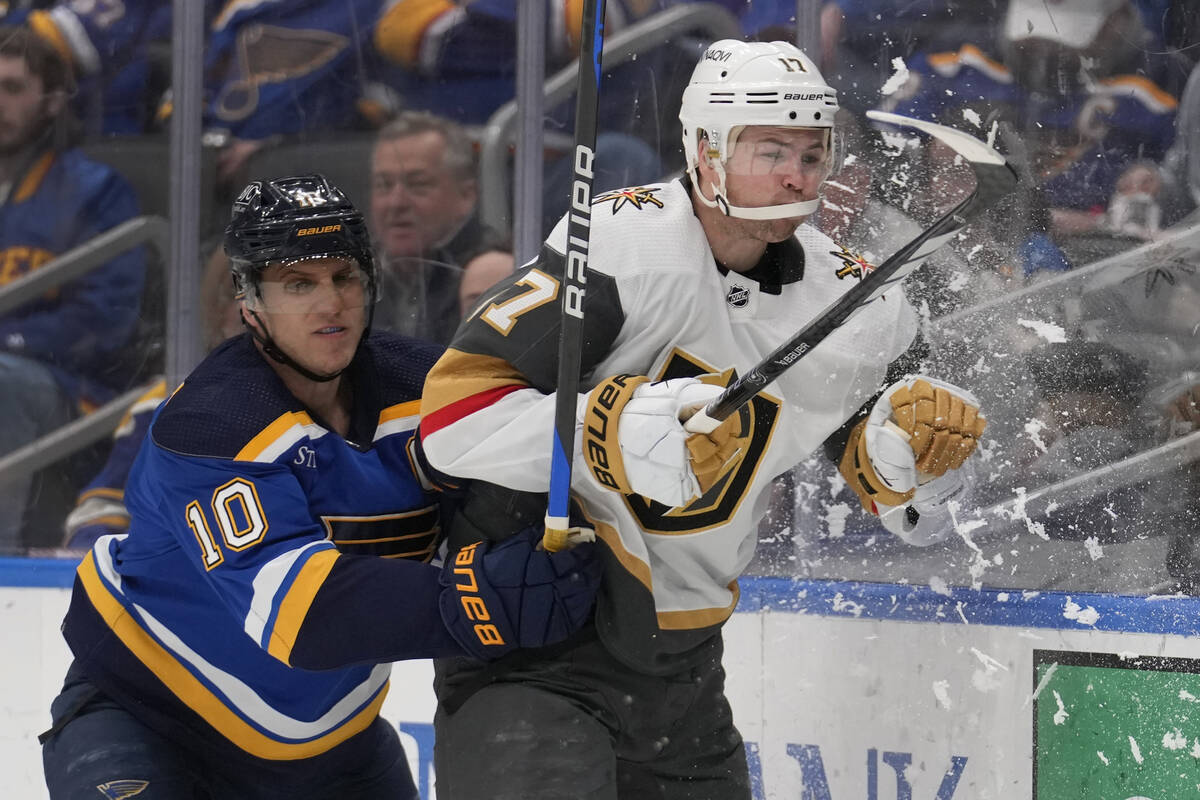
964 144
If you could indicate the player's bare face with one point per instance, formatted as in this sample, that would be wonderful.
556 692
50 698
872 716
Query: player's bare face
315 310
417 203
774 166
24 105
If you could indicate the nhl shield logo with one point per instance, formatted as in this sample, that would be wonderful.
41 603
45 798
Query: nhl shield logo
738 296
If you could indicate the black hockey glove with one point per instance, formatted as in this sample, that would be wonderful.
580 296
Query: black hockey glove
498 596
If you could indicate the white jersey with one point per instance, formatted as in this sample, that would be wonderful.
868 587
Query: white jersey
658 304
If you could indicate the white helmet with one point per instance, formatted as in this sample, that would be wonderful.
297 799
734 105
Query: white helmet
752 83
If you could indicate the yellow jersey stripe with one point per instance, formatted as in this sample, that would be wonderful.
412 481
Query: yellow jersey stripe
400 31
399 411
41 23
279 430
112 494
573 18
295 604
33 179
949 63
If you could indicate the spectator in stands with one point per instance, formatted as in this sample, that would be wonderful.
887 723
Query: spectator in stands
100 508
423 201
459 60
60 355
481 272
119 51
1082 86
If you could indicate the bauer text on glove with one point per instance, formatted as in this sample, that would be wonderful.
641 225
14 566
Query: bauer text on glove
634 441
498 596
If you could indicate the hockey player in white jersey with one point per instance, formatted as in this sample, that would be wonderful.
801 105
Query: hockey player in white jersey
688 283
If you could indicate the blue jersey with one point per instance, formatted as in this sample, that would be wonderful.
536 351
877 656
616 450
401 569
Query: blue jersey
459 59
276 67
1114 122
59 202
272 567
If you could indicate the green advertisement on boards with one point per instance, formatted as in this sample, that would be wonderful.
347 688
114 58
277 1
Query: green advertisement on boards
1113 728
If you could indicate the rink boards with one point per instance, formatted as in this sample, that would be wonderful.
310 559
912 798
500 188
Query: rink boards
843 691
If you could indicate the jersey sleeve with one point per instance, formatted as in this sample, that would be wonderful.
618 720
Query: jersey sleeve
488 407
257 546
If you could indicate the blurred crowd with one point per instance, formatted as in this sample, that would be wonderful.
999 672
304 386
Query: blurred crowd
1072 308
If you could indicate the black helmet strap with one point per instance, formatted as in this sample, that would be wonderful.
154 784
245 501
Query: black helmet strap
273 350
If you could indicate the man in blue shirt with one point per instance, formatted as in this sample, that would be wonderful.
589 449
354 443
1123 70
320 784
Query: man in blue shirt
58 353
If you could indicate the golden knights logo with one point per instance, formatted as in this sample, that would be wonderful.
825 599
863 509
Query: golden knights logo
636 196
852 264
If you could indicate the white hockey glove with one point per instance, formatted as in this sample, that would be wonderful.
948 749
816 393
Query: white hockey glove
634 441
907 452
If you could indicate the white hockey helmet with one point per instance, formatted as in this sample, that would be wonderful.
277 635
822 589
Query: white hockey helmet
753 83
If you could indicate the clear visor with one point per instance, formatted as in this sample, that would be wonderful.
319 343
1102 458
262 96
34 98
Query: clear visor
312 285
805 152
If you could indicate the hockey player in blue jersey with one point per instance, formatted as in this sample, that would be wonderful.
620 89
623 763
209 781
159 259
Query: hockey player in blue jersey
235 643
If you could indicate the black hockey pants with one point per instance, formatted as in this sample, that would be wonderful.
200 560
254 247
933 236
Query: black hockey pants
581 725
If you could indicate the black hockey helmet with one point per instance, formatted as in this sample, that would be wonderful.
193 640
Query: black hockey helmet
303 216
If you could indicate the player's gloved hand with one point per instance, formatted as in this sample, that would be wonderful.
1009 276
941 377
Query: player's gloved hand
902 456
634 441
498 596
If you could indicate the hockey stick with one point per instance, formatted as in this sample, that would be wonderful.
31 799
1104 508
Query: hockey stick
994 178
558 524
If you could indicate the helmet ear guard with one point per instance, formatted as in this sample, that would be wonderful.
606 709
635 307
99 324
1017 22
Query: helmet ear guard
738 84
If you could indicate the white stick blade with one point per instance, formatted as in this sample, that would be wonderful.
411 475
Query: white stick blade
964 144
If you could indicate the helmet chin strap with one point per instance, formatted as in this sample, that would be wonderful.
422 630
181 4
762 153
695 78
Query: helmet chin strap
270 348
801 208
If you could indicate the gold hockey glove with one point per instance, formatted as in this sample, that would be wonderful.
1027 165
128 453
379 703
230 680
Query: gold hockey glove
917 431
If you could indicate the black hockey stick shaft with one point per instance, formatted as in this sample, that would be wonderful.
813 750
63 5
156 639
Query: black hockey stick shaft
574 276
994 178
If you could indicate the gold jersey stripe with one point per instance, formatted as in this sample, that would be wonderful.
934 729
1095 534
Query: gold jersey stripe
271 434
458 375
400 411
399 33
296 603
700 618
